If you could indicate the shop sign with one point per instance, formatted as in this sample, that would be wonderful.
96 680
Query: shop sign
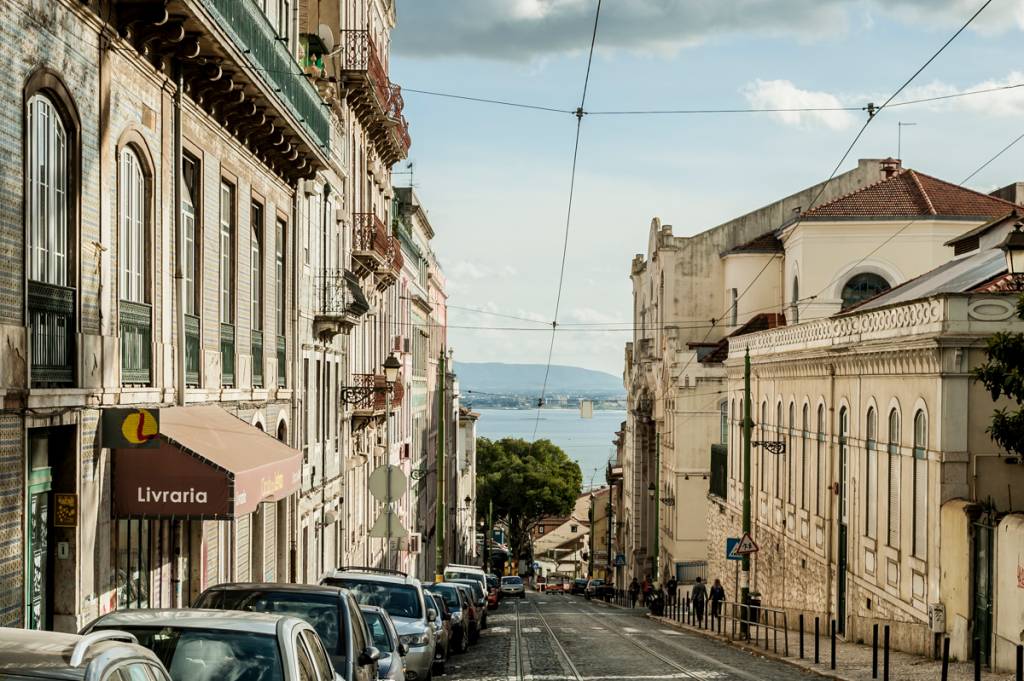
130 428
65 510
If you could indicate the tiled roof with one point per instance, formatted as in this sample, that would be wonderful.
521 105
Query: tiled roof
909 193
766 243
761 322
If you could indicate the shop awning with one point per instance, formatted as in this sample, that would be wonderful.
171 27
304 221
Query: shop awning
209 464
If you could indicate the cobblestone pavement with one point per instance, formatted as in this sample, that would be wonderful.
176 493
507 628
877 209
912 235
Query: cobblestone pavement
565 638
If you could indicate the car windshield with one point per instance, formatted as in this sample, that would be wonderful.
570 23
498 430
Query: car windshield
511 580
448 595
212 655
399 600
438 604
322 611
474 586
456 574
379 630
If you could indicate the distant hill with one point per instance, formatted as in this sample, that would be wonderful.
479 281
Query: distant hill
496 377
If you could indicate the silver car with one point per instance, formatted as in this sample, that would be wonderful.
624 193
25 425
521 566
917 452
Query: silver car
403 599
442 633
391 666
102 656
220 645
512 587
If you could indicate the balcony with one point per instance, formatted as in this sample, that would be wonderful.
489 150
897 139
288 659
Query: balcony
371 244
388 274
51 312
192 356
136 343
282 362
236 68
338 303
375 399
227 355
257 358
397 393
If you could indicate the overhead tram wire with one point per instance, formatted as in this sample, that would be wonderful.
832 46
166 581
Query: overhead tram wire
568 217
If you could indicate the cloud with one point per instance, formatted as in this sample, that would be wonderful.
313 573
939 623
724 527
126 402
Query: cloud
522 30
999 103
783 94
467 270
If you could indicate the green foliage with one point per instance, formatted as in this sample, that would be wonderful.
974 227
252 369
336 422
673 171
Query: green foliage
526 481
1003 375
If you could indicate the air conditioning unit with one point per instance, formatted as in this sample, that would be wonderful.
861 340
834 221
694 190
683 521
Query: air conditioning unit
399 344
340 215
407 345
414 539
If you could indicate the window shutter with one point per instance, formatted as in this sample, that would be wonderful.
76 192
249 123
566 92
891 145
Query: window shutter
894 498
920 507
242 552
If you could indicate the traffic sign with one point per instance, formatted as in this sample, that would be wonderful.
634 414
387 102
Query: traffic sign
730 548
387 483
746 545
388 526
620 560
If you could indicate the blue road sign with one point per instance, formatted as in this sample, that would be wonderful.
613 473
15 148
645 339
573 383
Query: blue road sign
620 560
730 548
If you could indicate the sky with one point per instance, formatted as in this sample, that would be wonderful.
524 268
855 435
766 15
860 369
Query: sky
495 180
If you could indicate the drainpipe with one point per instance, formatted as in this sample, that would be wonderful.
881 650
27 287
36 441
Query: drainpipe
831 481
323 444
298 396
179 239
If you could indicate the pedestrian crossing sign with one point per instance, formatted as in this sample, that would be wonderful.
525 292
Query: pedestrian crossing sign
746 545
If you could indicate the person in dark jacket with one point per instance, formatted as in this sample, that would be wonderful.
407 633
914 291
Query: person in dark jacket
670 589
717 597
699 596
634 592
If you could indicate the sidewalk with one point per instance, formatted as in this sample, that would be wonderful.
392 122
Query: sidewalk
853 661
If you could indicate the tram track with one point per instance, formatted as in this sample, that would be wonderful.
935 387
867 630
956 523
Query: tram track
520 645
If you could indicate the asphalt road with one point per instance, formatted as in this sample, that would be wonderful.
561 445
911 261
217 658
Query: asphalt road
566 638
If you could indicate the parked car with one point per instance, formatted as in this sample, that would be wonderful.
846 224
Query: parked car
456 572
579 586
594 588
403 598
442 633
216 645
466 592
459 608
493 591
391 665
101 656
513 587
332 611
479 598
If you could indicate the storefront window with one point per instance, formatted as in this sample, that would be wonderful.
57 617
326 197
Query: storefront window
133 562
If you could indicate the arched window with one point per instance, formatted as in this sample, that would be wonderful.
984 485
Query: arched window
723 426
777 482
46 209
862 286
893 517
844 465
805 477
132 246
871 474
819 472
762 468
796 300
920 519
790 452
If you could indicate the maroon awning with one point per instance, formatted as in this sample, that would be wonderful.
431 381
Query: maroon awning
209 464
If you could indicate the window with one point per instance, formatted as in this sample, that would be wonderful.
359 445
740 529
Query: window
762 468
796 300
279 276
893 516
734 308
777 482
227 253
861 287
723 425
791 454
132 246
819 467
844 466
871 474
189 200
920 517
316 651
46 208
805 477
256 264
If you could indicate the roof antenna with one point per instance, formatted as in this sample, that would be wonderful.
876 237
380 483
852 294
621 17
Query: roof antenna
899 138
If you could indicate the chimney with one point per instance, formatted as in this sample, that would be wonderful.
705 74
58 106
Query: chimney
891 166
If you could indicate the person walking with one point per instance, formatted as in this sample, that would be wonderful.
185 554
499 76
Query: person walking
648 589
634 592
717 597
698 596
670 589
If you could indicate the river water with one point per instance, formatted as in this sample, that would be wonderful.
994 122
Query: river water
587 441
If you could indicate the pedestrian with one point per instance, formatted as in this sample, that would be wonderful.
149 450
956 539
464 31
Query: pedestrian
717 597
648 590
634 592
698 596
670 588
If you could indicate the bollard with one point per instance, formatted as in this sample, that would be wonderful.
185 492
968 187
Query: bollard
817 635
945 659
885 653
1020 663
874 650
833 662
977 659
801 636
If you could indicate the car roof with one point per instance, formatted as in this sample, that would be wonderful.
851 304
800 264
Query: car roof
197 618
280 587
49 654
369 576
457 566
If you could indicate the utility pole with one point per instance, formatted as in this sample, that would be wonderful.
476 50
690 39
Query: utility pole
745 581
439 560
487 535
593 528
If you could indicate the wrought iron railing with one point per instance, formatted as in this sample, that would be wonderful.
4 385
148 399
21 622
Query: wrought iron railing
370 234
376 397
227 355
397 393
51 312
330 292
275 64
397 259
257 358
401 132
359 53
136 343
192 351
282 362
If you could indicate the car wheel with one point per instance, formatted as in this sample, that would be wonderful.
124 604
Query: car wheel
439 667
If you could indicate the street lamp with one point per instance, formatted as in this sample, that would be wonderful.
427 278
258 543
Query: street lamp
391 368
1013 247
650 490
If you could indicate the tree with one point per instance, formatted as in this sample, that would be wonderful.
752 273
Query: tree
526 481
1003 375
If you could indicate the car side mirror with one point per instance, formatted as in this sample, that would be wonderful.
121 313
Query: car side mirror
431 615
369 656
403 650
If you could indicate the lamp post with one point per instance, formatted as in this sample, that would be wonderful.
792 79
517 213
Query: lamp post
1013 248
